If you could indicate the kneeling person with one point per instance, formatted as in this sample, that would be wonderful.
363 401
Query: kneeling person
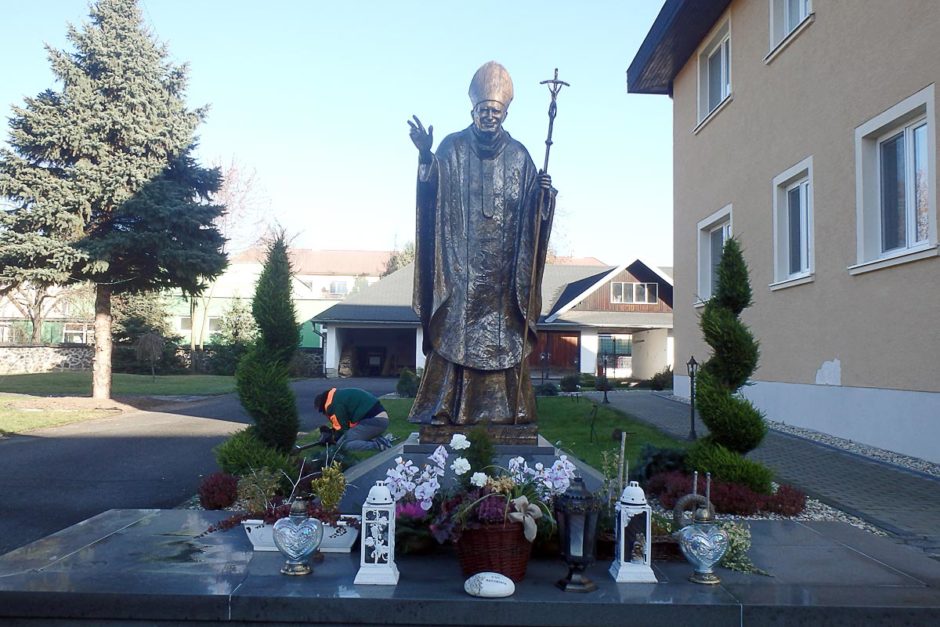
357 412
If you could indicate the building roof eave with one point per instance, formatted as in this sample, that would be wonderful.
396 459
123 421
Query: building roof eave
671 41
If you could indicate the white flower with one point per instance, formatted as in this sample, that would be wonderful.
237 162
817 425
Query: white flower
478 479
459 442
460 466
439 456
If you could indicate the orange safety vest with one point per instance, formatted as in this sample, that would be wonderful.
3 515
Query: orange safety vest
333 419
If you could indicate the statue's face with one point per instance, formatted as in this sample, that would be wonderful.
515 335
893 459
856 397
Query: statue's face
488 116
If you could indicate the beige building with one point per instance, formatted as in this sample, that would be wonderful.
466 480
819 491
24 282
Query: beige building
807 129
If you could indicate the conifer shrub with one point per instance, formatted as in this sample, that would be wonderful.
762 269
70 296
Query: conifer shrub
218 490
407 386
263 374
570 383
730 467
735 425
244 453
546 389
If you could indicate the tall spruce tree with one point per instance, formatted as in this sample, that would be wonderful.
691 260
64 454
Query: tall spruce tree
100 180
262 377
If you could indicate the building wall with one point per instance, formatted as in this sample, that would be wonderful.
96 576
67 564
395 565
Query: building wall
651 352
853 62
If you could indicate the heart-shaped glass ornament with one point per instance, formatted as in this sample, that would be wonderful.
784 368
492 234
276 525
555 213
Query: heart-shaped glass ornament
296 537
703 545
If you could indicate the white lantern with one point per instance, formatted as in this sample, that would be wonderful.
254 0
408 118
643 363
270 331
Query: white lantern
377 554
634 542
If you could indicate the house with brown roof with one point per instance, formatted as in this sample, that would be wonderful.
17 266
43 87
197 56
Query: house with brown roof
591 312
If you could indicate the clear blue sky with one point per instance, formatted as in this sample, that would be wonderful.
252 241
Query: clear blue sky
315 96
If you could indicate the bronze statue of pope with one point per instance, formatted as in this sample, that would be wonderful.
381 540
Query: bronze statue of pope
479 257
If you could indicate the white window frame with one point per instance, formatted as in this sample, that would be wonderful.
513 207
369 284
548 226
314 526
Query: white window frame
718 42
335 285
781 30
868 209
632 287
798 176
721 219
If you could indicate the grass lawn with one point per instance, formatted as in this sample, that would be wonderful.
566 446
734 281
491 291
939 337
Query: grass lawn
16 416
564 422
79 384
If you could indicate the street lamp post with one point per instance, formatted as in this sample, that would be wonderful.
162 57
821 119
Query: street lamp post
606 382
692 365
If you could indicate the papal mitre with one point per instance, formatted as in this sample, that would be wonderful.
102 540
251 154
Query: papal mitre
491 82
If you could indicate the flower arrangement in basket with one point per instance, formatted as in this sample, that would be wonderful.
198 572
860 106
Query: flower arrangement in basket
492 514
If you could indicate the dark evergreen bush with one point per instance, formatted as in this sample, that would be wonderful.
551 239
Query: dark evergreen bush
262 377
546 389
662 380
570 383
588 380
407 386
601 383
655 460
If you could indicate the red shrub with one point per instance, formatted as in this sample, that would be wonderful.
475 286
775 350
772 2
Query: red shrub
787 501
218 490
728 498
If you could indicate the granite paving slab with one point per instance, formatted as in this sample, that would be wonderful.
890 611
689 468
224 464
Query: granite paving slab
155 565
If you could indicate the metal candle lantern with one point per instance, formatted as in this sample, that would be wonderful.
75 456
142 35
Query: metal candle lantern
577 512
377 555
634 539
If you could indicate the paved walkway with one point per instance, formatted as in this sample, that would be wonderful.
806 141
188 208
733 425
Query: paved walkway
902 502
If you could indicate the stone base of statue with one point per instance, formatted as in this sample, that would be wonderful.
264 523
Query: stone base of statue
525 435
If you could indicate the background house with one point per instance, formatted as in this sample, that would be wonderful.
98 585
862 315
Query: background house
807 130
590 311
321 278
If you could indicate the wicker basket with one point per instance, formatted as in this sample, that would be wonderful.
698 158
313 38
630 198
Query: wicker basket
500 548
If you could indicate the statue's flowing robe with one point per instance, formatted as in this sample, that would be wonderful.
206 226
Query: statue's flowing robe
478 204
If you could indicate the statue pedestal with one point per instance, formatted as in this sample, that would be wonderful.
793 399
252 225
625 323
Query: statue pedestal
524 435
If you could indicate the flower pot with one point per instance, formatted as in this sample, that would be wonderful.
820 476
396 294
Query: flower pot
336 539
499 548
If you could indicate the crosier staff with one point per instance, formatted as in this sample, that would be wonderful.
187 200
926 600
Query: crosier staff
554 86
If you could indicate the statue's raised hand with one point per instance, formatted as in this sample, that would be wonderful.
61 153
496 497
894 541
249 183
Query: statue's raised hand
422 139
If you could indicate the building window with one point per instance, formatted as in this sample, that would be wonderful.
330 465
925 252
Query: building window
338 288
78 333
634 293
186 323
713 232
215 324
896 181
714 77
786 16
793 222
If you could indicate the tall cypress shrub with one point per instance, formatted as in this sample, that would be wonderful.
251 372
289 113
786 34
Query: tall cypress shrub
735 425
262 377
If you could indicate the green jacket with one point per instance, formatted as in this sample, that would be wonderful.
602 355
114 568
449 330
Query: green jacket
348 406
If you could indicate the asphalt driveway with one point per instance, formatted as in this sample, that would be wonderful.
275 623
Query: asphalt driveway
53 478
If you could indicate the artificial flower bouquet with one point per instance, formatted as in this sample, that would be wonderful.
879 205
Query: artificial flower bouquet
477 493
